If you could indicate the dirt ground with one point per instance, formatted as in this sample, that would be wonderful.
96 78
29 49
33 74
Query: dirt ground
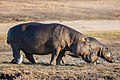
40 10
96 18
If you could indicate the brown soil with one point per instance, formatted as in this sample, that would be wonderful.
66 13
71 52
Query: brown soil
40 10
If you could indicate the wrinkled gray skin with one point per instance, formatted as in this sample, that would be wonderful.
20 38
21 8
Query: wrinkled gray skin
42 39
99 50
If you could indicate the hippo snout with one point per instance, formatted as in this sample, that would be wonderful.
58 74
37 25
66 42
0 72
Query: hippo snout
110 59
113 60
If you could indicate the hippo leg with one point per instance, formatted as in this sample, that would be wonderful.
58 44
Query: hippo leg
85 58
30 57
60 57
18 58
55 55
63 62
52 56
93 58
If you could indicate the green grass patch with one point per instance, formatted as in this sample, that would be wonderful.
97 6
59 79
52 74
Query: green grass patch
115 34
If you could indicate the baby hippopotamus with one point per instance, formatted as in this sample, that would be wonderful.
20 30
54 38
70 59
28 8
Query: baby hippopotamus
99 50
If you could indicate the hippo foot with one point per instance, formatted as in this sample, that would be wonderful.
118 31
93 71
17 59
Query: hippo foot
58 64
18 60
53 64
32 62
14 61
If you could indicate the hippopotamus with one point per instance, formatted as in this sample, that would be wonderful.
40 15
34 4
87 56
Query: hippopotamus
35 38
99 50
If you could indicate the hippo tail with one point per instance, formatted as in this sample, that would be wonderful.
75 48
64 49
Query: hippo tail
8 36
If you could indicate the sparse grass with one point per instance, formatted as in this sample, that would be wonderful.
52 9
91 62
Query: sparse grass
115 34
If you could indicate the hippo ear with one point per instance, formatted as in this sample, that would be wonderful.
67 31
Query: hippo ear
106 48
85 39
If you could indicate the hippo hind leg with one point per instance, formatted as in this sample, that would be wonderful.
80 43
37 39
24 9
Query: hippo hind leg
18 58
29 56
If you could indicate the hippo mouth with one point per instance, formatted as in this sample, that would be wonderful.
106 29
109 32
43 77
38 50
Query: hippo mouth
110 61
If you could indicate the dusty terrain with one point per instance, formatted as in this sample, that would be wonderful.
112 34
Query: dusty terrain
40 10
97 18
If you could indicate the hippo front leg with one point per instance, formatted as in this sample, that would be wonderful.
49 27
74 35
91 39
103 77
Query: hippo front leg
60 57
93 58
55 55
18 58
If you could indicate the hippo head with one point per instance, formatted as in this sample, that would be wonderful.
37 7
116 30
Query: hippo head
106 54
83 48
91 57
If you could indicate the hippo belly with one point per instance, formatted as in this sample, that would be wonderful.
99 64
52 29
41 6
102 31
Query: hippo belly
36 46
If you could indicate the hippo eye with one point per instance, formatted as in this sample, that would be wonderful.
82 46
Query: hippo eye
106 48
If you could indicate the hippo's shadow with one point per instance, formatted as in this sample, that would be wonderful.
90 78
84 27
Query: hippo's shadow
6 62
47 64
44 64
41 63
69 65
28 63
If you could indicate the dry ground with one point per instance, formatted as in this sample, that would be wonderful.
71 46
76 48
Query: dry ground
97 18
40 10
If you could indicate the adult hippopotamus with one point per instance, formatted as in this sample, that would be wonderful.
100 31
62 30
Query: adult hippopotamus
42 39
99 50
